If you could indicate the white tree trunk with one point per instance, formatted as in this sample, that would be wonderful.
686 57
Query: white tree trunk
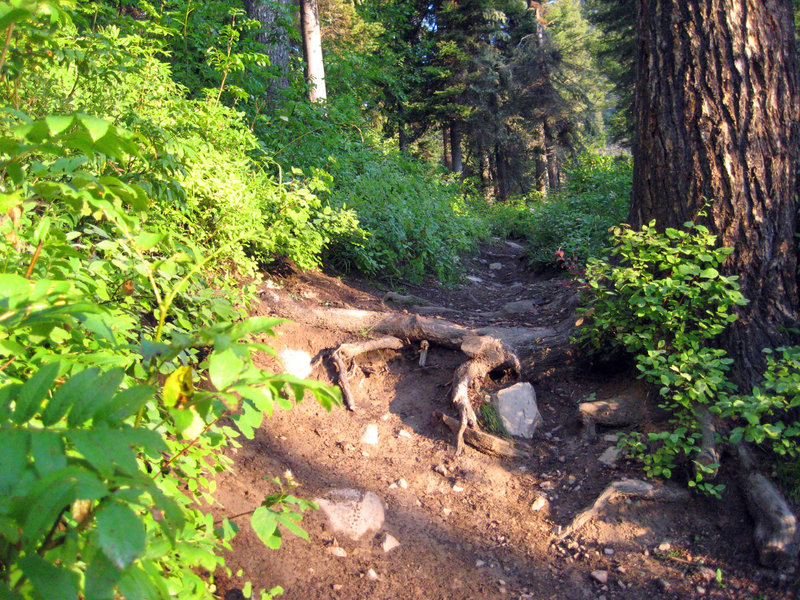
312 49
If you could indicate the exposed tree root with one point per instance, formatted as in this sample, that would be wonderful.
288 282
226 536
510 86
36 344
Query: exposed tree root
777 537
485 442
347 352
632 488
708 456
523 351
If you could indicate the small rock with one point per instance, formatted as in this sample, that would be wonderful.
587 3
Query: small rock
609 457
337 551
600 576
385 417
372 574
571 480
495 266
707 574
700 590
352 513
480 563
474 279
517 409
402 483
370 435
403 434
546 485
519 307
390 543
611 437
562 459
447 511
458 488
539 504
664 547
337 587
441 469
392 486
296 362
608 551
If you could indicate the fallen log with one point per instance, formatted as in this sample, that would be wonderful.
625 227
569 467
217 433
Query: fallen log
632 488
777 538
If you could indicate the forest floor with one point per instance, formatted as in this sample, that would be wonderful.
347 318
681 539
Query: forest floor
466 525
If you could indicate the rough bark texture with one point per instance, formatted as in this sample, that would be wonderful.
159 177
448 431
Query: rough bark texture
274 37
312 50
717 118
455 147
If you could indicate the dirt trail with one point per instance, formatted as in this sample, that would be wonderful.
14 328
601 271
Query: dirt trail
466 526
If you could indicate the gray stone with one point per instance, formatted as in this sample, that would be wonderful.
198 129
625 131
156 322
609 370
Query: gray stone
496 266
390 543
600 576
474 279
352 513
519 307
516 406
609 456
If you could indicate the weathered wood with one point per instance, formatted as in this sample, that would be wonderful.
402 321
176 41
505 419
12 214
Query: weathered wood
347 352
777 537
708 456
633 488
424 345
485 442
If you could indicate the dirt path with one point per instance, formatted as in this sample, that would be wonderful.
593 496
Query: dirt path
466 525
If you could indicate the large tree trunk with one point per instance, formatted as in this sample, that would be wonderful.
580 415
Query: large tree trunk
717 118
274 37
312 50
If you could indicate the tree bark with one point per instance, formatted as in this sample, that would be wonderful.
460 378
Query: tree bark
501 173
274 37
551 153
312 50
455 147
447 157
717 107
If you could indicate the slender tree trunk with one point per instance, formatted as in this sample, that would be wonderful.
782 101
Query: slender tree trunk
717 118
551 151
540 161
455 147
312 50
447 157
274 37
502 173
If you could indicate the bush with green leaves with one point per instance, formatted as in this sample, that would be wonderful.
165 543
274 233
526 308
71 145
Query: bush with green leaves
663 299
125 349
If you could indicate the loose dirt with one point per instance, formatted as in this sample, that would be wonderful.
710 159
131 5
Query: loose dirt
465 524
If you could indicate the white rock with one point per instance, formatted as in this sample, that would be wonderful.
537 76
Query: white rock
352 513
337 551
447 511
390 543
402 483
372 574
370 435
609 456
516 406
403 434
474 279
539 504
496 266
600 576
458 488
480 563
611 437
296 362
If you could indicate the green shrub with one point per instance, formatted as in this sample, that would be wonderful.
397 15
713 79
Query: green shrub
664 300
125 347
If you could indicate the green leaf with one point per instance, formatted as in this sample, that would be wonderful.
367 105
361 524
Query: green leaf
95 397
120 533
44 506
97 128
14 444
48 580
47 449
107 450
224 368
136 585
101 577
57 123
147 239
709 273
265 524
68 395
7 594
34 391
